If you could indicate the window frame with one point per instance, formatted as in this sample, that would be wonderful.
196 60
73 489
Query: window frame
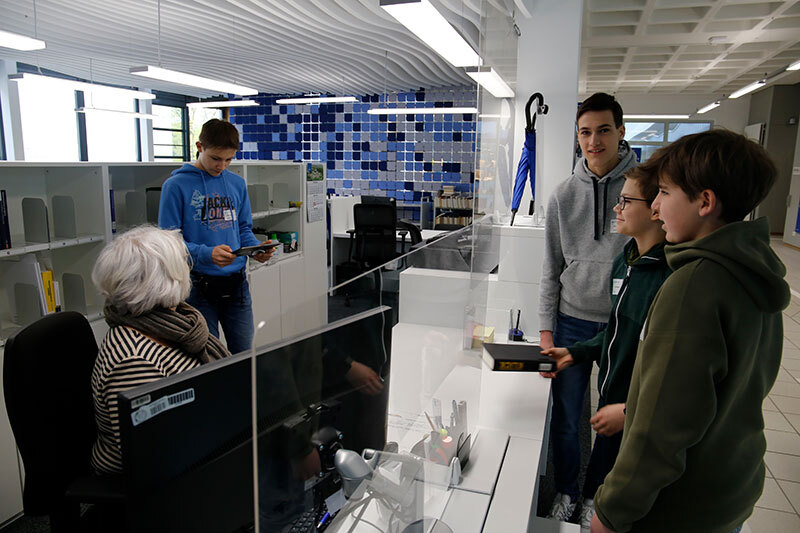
178 101
667 123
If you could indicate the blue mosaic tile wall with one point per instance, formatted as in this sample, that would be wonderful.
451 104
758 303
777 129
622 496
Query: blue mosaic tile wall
407 157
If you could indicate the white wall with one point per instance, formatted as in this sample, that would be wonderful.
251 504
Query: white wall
548 61
731 114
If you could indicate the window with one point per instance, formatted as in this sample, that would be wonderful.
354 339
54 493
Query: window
111 136
49 122
646 137
169 136
198 117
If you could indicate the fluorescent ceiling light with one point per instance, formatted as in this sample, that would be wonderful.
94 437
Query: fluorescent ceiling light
424 21
223 103
707 108
794 66
421 110
490 80
19 42
81 85
748 89
654 117
317 100
181 78
131 114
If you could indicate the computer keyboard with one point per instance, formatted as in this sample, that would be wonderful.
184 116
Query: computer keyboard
307 522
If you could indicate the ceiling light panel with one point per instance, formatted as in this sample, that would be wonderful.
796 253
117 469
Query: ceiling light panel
182 78
424 21
19 42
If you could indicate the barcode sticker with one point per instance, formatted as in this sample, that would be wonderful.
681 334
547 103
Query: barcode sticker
146 412
140 401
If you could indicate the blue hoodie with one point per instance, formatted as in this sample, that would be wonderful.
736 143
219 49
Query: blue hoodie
209 210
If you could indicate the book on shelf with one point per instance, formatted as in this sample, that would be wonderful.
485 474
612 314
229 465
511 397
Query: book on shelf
57 294
49 290
5 229
23 283
113 212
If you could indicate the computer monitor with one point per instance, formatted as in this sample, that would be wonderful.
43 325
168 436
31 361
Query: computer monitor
187 440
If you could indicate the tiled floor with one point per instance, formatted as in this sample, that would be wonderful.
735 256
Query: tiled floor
778 510
779 506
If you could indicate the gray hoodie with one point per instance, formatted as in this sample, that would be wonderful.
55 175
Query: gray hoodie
580 243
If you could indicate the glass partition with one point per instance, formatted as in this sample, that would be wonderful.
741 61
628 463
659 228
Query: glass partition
365 417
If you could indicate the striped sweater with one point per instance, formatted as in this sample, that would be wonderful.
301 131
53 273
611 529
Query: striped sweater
126 359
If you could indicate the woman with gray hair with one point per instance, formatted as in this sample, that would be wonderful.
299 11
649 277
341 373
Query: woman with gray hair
144 276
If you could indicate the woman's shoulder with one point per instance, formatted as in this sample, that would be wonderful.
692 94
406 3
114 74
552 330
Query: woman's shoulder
124 342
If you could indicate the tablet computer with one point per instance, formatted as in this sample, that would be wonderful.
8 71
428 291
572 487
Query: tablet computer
250 251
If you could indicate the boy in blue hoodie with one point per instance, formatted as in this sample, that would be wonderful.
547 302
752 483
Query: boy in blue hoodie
209 204
636 276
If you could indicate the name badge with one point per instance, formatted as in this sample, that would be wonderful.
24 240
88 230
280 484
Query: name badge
614 226
616 286
227 214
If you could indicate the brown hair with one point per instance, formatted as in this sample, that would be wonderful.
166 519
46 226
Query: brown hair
647 182
218 133
739 171
601 102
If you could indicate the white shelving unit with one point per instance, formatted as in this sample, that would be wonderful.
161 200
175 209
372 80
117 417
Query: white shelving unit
288 292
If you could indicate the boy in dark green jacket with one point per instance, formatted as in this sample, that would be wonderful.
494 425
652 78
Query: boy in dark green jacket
636 276
693 443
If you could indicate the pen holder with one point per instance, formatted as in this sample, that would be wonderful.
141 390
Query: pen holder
514 333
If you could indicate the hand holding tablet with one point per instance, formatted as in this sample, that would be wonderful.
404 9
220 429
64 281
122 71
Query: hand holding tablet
252 251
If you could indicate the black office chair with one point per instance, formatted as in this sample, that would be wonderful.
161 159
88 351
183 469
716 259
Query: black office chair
373 241
47 384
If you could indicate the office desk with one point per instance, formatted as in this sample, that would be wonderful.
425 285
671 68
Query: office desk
340 247
511 426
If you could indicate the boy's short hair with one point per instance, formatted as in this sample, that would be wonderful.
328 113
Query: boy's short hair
601 102
647 181
218 133
738 170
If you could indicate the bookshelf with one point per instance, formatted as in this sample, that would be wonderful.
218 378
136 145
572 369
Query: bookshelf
452 209
136 192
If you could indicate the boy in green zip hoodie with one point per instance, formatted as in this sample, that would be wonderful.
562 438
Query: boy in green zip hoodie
692 452
636 275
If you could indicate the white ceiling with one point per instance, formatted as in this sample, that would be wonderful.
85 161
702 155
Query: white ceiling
686 46
276 46
354 46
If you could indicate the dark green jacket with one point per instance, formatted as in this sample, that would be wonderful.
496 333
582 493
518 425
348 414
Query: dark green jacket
692 455
635 280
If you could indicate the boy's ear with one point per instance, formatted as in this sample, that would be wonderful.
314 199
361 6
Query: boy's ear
199 146
708 204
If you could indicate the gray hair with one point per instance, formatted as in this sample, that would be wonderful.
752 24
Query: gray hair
143 269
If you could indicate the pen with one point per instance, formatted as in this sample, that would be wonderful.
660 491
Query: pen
429 421
324 519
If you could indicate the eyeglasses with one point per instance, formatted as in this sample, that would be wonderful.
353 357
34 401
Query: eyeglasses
622 200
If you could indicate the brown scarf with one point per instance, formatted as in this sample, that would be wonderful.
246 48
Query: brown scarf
185 328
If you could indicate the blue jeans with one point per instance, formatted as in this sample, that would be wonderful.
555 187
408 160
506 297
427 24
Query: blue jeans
234 312
568 389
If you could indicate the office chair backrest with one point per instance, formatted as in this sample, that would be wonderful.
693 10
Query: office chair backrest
375 233
379 200
47 384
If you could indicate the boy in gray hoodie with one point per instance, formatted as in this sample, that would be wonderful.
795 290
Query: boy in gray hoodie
581 242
